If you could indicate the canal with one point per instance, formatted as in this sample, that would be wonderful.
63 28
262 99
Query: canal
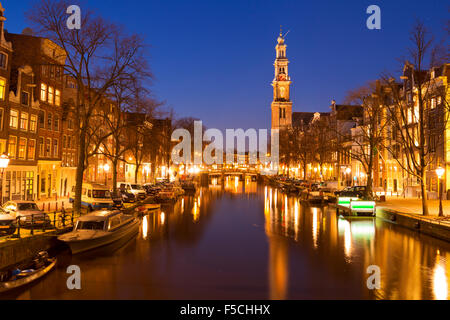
241 240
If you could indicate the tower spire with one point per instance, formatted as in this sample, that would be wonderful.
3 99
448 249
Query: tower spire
281 104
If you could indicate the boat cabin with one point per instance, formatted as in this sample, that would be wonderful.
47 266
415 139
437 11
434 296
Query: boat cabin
103 221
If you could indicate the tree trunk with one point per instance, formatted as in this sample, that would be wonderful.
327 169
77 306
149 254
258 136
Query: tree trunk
423 188
114 164
304 172
136 173
80 171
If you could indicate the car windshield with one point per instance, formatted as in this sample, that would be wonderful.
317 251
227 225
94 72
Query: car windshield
27 207
136 187
100 194
90 225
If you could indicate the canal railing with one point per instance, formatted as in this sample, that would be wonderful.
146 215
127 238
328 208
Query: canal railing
39 223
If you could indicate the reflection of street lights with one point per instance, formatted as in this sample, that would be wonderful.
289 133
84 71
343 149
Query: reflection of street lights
106 168
4 162
440 172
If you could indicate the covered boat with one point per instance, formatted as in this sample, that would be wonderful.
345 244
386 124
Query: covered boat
98 229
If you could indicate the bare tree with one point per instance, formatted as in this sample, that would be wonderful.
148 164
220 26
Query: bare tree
419 125
97 56
368 136
322 145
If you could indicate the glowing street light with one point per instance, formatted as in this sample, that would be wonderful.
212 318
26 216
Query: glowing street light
440 172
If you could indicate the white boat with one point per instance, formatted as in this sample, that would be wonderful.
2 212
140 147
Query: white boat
98 229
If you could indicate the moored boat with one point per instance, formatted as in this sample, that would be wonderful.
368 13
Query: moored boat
98 229
27 272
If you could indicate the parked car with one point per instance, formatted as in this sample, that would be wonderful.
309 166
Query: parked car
27 211
133 188
355 191
127 197
7 223
95 196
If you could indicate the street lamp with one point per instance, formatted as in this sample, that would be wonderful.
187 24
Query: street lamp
4 162
440 172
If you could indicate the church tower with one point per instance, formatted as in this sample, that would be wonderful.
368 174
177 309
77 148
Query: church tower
282 104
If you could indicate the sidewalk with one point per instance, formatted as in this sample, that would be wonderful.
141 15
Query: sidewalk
414 207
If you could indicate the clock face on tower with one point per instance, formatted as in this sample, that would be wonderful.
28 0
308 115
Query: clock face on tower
281 77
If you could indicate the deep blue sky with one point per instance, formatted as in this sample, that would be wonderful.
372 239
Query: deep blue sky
214 59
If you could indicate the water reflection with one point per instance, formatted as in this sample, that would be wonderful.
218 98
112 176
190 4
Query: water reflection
236 240
345 247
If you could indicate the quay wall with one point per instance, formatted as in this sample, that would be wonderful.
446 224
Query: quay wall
417 223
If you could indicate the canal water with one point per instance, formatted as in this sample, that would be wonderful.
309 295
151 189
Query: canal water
241 240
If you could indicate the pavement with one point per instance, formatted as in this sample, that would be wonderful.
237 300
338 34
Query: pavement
414 207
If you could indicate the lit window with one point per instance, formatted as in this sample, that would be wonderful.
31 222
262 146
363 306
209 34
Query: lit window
433 103
50 95
57 97
24 121
33 123
22 148
31 149
1 118
13 119
2 88
43 92
12 146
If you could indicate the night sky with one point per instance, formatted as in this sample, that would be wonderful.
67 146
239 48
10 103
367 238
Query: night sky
214 59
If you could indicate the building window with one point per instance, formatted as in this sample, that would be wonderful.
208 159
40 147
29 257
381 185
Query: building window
64 142
55 148
25 98
22 148
41 147
50 95
57 72
48 148
57 97
49 121
52 71
24 121
56 123
14 119
12 147
41 119
43 92
70 124
1 118
433 103
33 123
31 149
2 88
3 60
2 146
